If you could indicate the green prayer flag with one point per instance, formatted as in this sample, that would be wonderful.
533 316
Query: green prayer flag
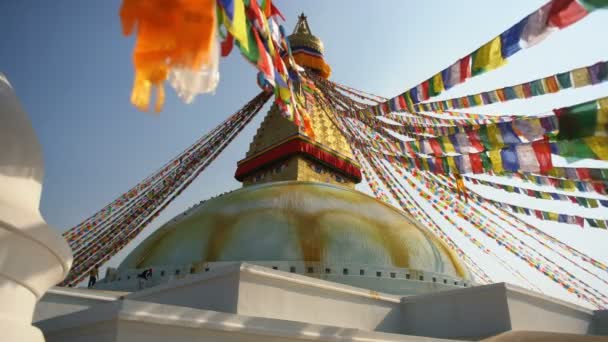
485 161
592 203
577 121
591 5
575 149
564 80
482 132
537 88
446 165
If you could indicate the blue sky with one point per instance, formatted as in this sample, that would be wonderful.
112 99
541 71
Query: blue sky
71 68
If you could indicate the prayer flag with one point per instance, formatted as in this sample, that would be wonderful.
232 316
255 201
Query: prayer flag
465 68
437 84
551 84
543 155
237 23
488 57
536 26
564 80
580 77
598 72
565 13
510 39
527 158
509 158
577 121
508 135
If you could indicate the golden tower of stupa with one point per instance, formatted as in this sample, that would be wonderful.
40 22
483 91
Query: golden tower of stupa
315 150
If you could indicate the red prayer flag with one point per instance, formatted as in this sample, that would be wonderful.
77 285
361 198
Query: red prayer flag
476 165
580 221
542 149
417 163
465 68
599 187
227 45
425 89
264 61
465 102
401 101
436 147
439 166
583 173
275 11
385 108
474 140
527 88
565 13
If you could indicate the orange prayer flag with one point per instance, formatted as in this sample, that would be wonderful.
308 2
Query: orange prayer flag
169 34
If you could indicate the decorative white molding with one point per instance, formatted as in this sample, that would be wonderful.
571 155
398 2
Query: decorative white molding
33 257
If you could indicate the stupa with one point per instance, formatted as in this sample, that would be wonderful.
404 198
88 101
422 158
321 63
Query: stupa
298 211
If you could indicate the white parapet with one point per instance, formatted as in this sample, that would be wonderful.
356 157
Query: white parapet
33 257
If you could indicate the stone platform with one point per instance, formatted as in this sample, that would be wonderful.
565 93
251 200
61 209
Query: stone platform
244 302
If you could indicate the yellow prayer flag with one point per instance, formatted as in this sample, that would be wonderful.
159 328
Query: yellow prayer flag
553 216
599 146
488 57
557 172
580 77
496 160
478 99
519 91
452 164
592 203
438 83
494 136
602 114
569 185
238 26
447 145
546 195
425 164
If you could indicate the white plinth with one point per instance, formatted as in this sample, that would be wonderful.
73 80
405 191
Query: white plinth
33 257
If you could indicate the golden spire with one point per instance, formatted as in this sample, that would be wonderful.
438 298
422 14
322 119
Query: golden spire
302 36
302 26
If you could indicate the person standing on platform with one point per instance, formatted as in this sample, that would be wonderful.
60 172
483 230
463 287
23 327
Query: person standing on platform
93 275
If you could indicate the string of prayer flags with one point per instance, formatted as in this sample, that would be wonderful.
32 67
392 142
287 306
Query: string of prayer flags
555 15
410 206
528 230
95 246
585 202
543 238
550 216
590 75
362 137
487 225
